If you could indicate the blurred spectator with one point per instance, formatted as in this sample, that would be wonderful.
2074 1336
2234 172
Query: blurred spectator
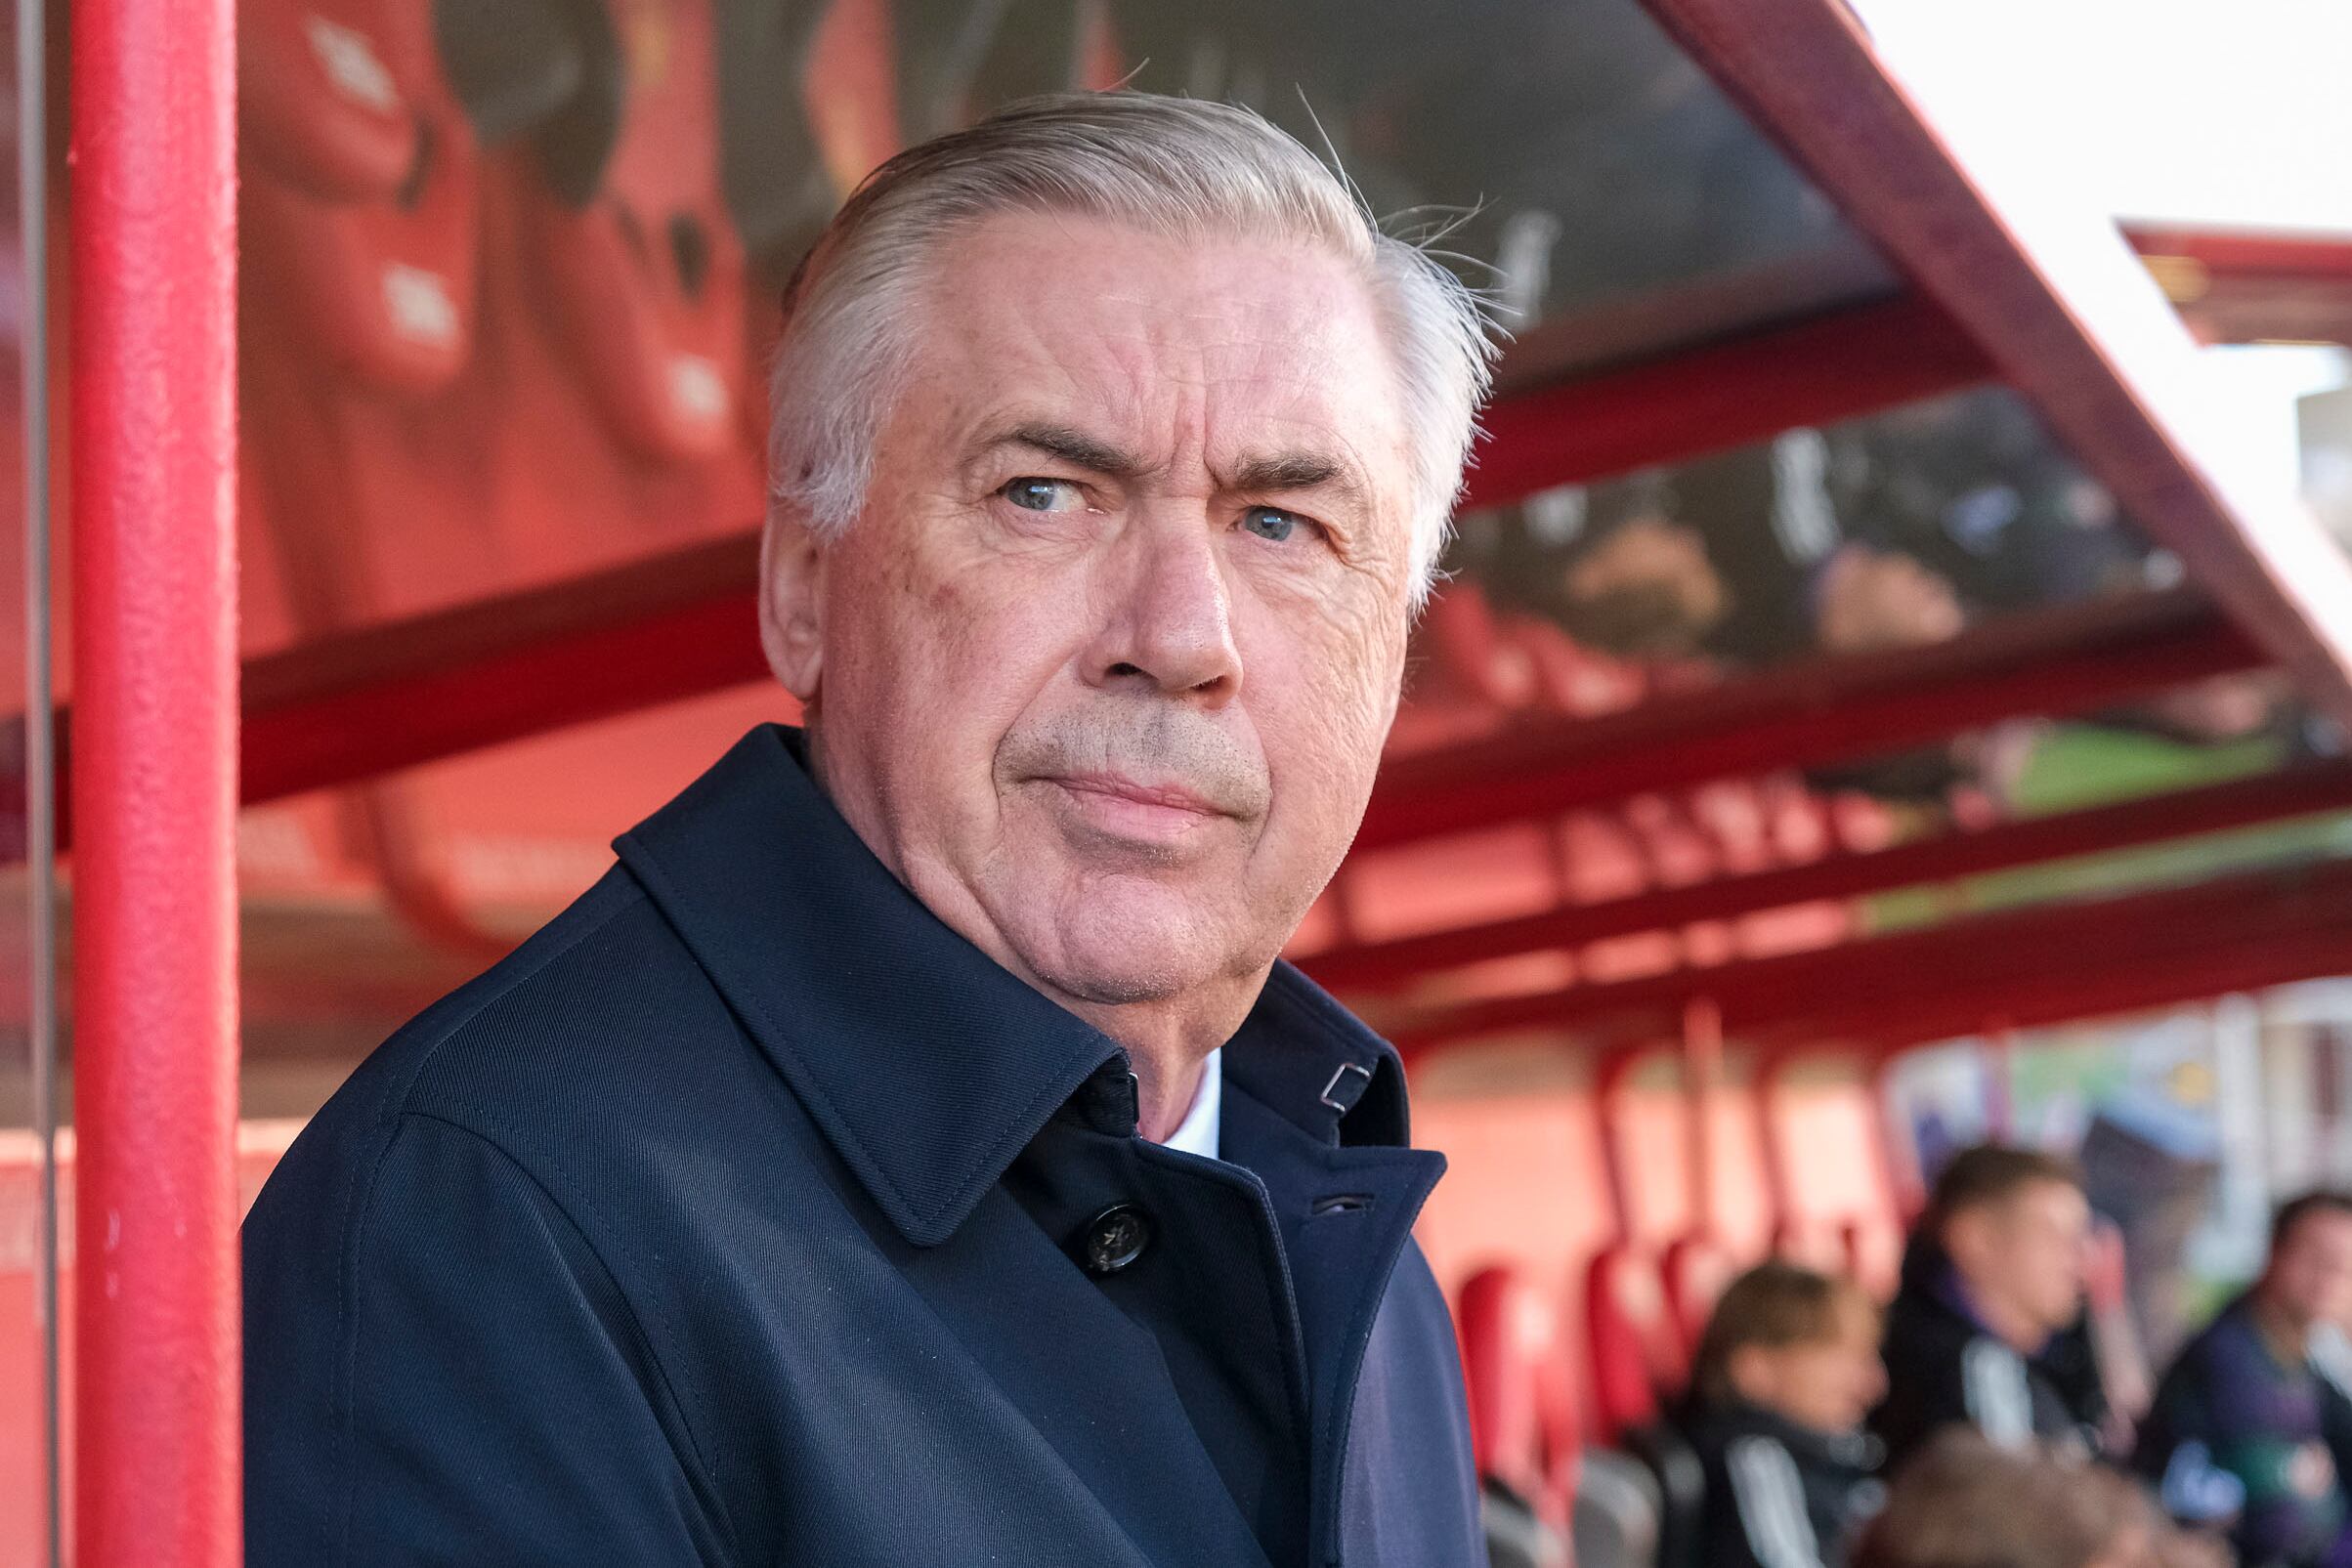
1964 1503
2253 1427
1646 590
1868 600
1785 1372
1891 532
1974 489
1608 563
1987 1329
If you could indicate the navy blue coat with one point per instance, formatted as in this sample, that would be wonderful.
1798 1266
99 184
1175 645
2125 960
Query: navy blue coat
746 1214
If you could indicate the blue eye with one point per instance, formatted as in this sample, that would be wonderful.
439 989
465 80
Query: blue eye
1269 523
1042 494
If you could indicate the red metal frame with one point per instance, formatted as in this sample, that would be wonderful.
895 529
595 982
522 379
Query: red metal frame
1837 364
2182 814
2045 963
2053 662
2253 285
373 702
2054 299
2246 253
155 912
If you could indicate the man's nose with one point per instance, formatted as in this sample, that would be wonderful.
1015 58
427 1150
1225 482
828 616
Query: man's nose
1170 622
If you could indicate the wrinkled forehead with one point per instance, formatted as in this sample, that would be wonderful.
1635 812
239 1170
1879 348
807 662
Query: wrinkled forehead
1187 350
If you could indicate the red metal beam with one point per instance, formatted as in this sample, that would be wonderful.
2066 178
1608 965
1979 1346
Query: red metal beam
2265 253
2051 661
2035 965
2212 808
1834 366
374 701
364 703
2240 285
2222 961
2057 302
154 219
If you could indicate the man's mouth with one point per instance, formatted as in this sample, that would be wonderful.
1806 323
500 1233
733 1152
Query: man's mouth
1148 811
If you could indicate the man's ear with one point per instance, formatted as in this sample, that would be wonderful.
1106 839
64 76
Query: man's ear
1966 1235
1750 1371
791 604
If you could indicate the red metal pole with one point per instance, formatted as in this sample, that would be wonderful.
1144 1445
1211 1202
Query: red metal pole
1702 1074
154 791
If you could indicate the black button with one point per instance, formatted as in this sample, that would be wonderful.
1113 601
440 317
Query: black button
1116 1238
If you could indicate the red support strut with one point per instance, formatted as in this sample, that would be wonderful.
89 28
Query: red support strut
153 783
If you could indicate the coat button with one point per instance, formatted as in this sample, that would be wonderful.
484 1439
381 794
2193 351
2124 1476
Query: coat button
1116 1238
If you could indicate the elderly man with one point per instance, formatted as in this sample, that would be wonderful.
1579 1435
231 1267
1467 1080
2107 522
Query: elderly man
913 1151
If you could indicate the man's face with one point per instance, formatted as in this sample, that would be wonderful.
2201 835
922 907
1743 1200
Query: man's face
2309 1280
1826 1385
1103 669
2029 1248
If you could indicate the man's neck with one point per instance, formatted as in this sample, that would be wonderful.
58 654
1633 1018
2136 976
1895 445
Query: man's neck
2287 1334
1165 1047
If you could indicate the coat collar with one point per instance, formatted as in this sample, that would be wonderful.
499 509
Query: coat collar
927 1064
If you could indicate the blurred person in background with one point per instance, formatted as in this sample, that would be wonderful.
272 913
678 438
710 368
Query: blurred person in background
1965 1503
1986 1328
1785 1372
2251 1428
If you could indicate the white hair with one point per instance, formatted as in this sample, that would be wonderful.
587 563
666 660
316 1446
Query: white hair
1171 165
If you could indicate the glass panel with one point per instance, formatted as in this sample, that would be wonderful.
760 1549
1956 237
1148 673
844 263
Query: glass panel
508 281
1572 144
1891 531
29 1214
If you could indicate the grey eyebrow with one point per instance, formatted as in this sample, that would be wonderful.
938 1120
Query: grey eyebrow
1265 472
1073 446
1297 471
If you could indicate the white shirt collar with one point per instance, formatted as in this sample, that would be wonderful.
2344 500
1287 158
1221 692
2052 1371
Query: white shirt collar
1197 1132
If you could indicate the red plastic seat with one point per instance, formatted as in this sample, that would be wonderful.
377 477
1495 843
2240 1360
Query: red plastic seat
1499 1349
1815 1243
1695 1269
1636 1354
1874 1254
644 271
1522 1418
358 199
322 100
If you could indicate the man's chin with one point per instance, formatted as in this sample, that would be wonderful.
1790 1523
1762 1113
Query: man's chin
1118 952
1119 964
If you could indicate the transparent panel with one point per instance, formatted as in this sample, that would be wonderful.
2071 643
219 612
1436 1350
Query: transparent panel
1892 531
511 272
28 1219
